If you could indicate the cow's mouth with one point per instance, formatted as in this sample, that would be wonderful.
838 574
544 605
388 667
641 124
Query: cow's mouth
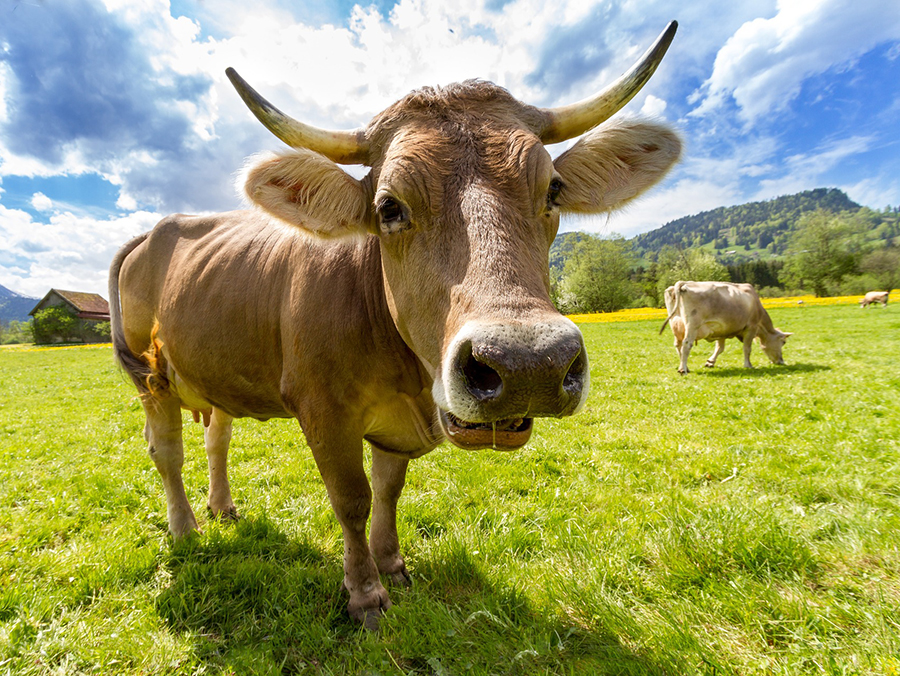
501 435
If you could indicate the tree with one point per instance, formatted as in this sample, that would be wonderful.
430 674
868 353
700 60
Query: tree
883 265
57 321
695 265
821 251
16 332
597 277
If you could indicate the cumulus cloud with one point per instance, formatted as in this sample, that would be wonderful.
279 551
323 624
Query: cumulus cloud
763 65
41 202
68 251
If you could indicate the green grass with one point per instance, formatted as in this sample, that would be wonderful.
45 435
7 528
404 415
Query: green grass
727 521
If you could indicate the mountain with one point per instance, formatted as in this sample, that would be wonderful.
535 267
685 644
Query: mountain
747 233
759 230
15 306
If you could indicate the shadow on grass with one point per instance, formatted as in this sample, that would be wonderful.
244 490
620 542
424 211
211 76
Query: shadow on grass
256 601
768 371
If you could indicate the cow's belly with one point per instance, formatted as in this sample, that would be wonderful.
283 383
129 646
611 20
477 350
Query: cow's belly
403 425
713 330
229 392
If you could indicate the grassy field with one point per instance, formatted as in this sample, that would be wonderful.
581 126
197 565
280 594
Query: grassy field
724 522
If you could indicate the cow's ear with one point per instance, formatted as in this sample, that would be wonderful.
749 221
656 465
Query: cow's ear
310 192
614 164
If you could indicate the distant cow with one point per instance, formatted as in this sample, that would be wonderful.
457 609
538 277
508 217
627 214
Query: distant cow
875 297
402 309
716 311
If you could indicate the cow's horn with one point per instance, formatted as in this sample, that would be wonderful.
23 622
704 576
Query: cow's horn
343 147
569 121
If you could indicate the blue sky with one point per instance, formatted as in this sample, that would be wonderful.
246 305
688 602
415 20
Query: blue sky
114 113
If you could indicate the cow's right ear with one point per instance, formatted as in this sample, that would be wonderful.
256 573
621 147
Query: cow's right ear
310 192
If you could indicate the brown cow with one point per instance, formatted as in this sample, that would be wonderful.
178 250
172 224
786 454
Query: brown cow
873 297
716 311
401 309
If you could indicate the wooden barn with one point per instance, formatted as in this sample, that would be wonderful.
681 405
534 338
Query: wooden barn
85 318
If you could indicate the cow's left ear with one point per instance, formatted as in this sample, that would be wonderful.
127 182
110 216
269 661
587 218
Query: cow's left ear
614 164
310 192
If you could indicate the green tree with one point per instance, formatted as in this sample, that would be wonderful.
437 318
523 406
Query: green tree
822 250
55 321
883 265
16 332
597 276
695 265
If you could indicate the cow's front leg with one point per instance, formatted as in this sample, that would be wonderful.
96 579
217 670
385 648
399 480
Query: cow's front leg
720 346
388 478
163 433
340 462
748 345
217 437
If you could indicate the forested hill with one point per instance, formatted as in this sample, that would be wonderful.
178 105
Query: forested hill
761 226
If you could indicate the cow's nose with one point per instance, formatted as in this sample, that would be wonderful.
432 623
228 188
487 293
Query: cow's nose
519 370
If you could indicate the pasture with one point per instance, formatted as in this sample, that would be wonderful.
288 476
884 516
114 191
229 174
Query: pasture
723 522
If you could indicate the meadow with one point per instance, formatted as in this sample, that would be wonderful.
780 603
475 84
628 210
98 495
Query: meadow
724 522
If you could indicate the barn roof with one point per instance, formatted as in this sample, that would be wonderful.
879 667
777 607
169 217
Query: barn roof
88 305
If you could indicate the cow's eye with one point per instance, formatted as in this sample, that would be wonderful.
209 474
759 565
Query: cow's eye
553 192
391 214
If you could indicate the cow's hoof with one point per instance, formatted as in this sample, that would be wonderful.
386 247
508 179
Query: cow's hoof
371 619
368 609
400 578
709 364
229 515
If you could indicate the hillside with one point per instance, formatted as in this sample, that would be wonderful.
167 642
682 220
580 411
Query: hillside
15 306
759 229
748 232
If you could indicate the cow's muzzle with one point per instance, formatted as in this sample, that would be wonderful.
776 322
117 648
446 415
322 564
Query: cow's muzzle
497 377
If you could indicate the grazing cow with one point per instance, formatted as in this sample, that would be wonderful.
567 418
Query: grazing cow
401 309
716 311
875 297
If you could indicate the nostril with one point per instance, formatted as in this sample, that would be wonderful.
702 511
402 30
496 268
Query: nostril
574 380
481 380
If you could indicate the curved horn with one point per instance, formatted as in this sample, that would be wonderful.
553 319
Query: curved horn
573 120
343 147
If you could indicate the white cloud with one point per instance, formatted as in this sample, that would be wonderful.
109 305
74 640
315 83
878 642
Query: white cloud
876 192
69 252
803 172
41 202
653 107
763 65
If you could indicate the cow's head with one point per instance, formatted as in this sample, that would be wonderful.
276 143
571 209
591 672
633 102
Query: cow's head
465 201
772 343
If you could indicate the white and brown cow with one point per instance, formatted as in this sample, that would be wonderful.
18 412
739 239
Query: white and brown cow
873 297
401 309
716 311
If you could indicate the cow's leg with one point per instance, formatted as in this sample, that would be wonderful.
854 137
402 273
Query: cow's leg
686 344
217 436
340 462
720 346
388 478
163 433
748 345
